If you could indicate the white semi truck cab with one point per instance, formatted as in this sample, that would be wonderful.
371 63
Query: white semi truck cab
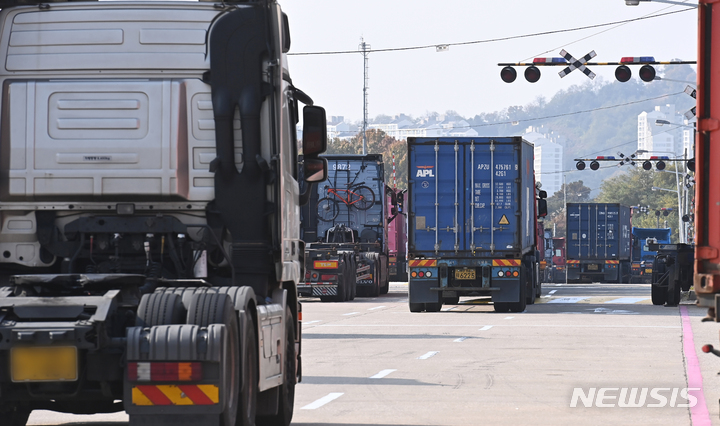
149 211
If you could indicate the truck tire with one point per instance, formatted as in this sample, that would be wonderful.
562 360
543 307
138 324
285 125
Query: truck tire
501 307
433 307
286 401
451 300
353 278
522 303
15 416
214 308
160 309
416 307
673 289
374 291
658 294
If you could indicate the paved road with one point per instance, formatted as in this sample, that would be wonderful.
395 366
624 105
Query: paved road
372 362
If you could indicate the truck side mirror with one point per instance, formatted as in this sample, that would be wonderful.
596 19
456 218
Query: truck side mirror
314 143
542 207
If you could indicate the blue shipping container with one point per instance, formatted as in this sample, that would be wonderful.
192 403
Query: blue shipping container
598 231
471 197
598 244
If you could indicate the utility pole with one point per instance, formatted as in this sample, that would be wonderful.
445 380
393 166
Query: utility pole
364 48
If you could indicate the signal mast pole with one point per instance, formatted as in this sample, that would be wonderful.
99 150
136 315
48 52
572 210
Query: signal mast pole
364 48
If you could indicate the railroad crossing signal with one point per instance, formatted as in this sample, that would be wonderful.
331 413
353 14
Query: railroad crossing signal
622 72
575 64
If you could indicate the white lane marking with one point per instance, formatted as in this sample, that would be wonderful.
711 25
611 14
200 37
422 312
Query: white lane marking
377 307
310 322
428 355
460 339
550 293
449 309
382 374
558 285
350 313
487 327
509 317
568 300
322 401
628 300
612 311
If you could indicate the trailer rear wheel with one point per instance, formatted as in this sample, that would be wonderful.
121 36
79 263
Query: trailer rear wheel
416 307
15 416
501 307
522 303
658 294
433 307
215 308
451 300
287 390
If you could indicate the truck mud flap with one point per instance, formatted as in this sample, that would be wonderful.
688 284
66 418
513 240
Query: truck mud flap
182 349
422 292
509 291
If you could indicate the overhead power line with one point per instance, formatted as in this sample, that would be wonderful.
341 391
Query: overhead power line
492 40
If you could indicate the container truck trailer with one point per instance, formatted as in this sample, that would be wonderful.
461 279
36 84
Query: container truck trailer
345 228
150 211
598 242
472 213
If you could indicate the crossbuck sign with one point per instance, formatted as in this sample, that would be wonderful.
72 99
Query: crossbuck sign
577 64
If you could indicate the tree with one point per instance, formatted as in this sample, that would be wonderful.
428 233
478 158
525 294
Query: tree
634 188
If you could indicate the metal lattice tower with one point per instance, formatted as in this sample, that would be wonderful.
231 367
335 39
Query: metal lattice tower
364 48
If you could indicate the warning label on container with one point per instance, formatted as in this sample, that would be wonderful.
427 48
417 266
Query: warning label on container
504 220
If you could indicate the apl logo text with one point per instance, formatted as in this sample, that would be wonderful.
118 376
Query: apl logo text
425 171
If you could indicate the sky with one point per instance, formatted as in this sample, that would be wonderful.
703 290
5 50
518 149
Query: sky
466 78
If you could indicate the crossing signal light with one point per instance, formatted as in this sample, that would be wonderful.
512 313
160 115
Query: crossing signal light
508 74
594 165
691 165
532 74
580 165
660 165
647 165
647 73
623 73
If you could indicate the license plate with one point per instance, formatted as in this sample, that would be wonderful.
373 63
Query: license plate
44 364
648 271
464 274
592 267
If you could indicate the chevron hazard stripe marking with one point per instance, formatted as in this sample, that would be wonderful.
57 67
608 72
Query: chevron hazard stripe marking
506 262
423 262
175 395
